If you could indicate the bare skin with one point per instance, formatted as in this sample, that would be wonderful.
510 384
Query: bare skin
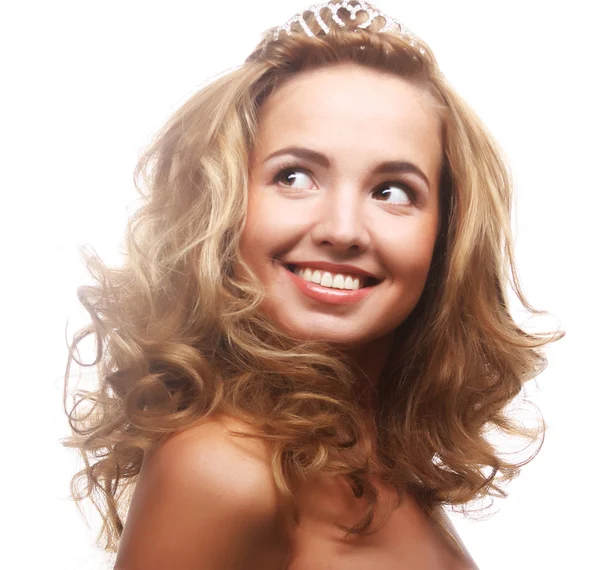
409 540
206 499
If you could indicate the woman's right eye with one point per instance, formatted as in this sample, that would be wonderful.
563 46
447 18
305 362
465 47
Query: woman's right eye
294 178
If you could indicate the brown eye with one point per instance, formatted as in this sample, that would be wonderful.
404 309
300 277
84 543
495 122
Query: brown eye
294 178
393 193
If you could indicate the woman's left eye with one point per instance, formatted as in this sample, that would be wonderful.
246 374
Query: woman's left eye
393 193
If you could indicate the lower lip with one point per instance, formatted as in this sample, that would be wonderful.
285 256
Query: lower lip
327 295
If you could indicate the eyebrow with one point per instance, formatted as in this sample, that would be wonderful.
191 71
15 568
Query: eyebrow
388 167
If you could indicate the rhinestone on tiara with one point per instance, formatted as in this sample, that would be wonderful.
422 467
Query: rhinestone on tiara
353 7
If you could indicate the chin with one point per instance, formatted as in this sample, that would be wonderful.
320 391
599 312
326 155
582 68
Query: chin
335 339
333 335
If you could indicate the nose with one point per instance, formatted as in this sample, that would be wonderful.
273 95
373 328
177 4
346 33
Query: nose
341 222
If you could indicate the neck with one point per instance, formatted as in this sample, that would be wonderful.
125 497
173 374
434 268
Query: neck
370 360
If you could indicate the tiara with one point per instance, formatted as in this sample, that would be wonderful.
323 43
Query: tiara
353 7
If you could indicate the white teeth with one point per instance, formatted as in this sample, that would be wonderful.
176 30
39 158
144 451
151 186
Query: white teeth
327 279
338 282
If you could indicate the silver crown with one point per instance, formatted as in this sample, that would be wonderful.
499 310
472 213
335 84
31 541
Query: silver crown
353 7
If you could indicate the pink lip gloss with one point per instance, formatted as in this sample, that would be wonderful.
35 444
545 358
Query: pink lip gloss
327 294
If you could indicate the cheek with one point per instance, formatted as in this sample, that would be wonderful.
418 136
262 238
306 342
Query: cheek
407 255
265 231
273 224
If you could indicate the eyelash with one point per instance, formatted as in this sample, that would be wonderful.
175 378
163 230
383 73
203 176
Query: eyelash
412 194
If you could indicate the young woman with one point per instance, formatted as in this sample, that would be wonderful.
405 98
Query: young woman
310 340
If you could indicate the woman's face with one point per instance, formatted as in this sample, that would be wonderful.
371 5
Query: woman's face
343 202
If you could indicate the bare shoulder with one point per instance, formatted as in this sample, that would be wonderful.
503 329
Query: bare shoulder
209 454
205 499
459 557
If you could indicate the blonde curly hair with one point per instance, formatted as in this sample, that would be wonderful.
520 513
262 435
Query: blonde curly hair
180 338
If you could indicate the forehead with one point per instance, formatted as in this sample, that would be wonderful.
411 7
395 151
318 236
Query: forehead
351 110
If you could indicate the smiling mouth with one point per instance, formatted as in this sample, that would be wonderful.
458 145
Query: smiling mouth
331 280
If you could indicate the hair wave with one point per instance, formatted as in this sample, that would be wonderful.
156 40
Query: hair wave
179 338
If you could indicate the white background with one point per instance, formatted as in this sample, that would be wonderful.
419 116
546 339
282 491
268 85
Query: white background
84 87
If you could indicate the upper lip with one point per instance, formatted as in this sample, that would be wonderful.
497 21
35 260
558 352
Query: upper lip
333 267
